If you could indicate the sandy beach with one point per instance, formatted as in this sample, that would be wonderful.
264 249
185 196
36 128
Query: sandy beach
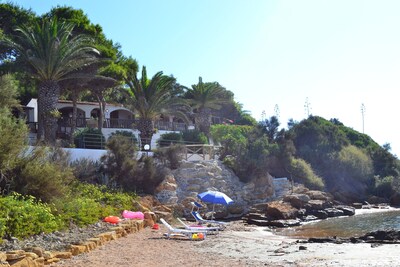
238 245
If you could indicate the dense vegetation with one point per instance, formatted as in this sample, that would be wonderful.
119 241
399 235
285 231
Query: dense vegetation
42 191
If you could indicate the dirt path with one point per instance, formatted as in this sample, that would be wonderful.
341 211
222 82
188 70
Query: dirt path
150 248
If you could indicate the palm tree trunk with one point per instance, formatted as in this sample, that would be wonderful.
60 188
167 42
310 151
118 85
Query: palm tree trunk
146 128
49 93
202 120
74 116
102 106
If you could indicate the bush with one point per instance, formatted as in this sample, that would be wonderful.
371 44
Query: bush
89 138
132 137
170 156
37 175
194 137
22 216
303 173
87 170
383 186
87 203
168 139
120 162
151 176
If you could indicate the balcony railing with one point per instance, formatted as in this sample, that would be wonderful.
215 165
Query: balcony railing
121 124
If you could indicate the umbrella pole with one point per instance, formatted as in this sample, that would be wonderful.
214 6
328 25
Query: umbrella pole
212 214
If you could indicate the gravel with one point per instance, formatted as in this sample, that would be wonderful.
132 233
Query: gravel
58 240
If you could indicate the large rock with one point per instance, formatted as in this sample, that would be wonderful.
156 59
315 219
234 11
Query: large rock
193 178
297 200
278 210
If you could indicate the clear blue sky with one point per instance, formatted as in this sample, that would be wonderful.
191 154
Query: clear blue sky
273 55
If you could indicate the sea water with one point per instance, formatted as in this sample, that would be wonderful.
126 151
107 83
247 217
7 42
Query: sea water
357 225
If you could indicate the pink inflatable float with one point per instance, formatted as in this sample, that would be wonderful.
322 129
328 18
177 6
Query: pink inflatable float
133 215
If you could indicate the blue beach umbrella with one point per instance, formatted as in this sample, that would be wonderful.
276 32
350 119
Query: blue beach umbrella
215 197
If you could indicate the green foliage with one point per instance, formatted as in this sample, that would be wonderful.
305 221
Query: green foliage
80 210
89 138
194 137
353 163
22 216
40 175
13 136
151 176
120 161
86 170
171 156
316 138
233 138
168 139
246 119
187 137
87 203
128 134
384 186
8 92
302 172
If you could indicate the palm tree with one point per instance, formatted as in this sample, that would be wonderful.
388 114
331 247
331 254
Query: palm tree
203 98
51 54
150 99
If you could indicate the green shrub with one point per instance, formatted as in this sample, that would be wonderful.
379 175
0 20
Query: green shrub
151 179
88 203
89 138
80 210
168 139
87 170
132 137
383 186
120 162
23 216
303 173
37 175
170 156
194 137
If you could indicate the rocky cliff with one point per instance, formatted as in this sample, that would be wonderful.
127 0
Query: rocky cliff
182 186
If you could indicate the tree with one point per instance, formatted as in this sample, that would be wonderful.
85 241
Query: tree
270 128
150 99
51 55
204 97
8 92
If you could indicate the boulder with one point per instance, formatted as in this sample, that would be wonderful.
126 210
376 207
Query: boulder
278 210
284 223
297 200
347 210
149 218
319 195
316 205
332 212
236 208
320 214
258 222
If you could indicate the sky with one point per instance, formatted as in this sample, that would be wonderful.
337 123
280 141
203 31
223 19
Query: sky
335 59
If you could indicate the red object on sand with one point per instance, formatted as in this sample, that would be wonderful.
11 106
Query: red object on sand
155 227
112 219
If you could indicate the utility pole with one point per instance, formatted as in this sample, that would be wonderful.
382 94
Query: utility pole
362 114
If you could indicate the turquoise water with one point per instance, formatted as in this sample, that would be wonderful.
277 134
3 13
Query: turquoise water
345 226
